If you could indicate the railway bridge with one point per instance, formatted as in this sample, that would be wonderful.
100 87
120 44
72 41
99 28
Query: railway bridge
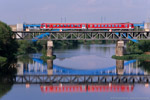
119 36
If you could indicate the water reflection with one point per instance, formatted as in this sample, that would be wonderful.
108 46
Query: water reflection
87 88
38 67
85 60
120 67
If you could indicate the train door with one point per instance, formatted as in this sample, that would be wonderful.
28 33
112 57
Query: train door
129 26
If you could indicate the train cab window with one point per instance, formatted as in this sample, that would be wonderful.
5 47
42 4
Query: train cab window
105 25
61 25
129 25
112 25
98 25
119 25
116 25
68 25
109 25
95 25
64 25
78 25
102 25
71 25
42 25
126 25
54 25
90 25
57 25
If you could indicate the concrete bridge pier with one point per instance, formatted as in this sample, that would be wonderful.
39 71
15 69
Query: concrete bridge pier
120 67
120 48
49 48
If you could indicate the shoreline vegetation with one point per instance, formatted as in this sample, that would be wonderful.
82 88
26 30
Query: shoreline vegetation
140 50
8 51
132 56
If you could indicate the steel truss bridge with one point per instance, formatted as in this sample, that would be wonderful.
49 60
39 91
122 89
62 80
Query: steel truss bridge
82 35
80 79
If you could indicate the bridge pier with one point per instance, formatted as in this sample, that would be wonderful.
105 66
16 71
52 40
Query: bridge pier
49 48
120 48
120 67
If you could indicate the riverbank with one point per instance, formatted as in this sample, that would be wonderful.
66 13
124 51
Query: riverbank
132 56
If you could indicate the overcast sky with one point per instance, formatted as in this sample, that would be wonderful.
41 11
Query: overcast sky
38 11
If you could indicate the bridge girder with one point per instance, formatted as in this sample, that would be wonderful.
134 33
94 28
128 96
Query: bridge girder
82 35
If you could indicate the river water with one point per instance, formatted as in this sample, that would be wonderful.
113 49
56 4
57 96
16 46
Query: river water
92 59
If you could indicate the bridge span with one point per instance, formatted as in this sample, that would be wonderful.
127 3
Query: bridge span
82 35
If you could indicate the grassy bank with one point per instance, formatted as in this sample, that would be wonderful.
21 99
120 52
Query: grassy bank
132 56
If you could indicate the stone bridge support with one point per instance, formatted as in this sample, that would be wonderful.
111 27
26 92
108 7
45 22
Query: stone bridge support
120 48
120 67
49 48
50 54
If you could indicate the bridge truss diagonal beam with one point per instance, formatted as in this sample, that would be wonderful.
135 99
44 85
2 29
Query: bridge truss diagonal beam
83 35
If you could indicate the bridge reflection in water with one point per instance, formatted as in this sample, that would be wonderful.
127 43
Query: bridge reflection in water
87 88
38 67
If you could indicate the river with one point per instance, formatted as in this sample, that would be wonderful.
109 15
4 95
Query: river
85 59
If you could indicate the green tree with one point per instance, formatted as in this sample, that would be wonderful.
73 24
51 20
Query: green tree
8 47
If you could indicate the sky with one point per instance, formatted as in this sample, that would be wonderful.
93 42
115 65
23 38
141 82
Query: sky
74 11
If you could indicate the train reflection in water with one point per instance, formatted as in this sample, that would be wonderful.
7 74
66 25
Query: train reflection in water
87 88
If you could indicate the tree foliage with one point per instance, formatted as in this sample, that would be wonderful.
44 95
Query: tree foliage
137 48
8 47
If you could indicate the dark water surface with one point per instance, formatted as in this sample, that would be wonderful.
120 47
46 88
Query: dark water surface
86 59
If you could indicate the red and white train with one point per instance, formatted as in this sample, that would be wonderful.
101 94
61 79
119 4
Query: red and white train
109 26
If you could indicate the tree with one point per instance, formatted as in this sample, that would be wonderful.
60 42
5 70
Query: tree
8 47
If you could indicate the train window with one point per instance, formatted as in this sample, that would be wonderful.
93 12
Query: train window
64 25
105 25
109 25
102 25
98 25
57 25
78 25
71 25
112 25
90 25
44 25
75 25
95 25
126 25
129 25
68 25
116 25
83 26
47 25
54 25
119 25
61 25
